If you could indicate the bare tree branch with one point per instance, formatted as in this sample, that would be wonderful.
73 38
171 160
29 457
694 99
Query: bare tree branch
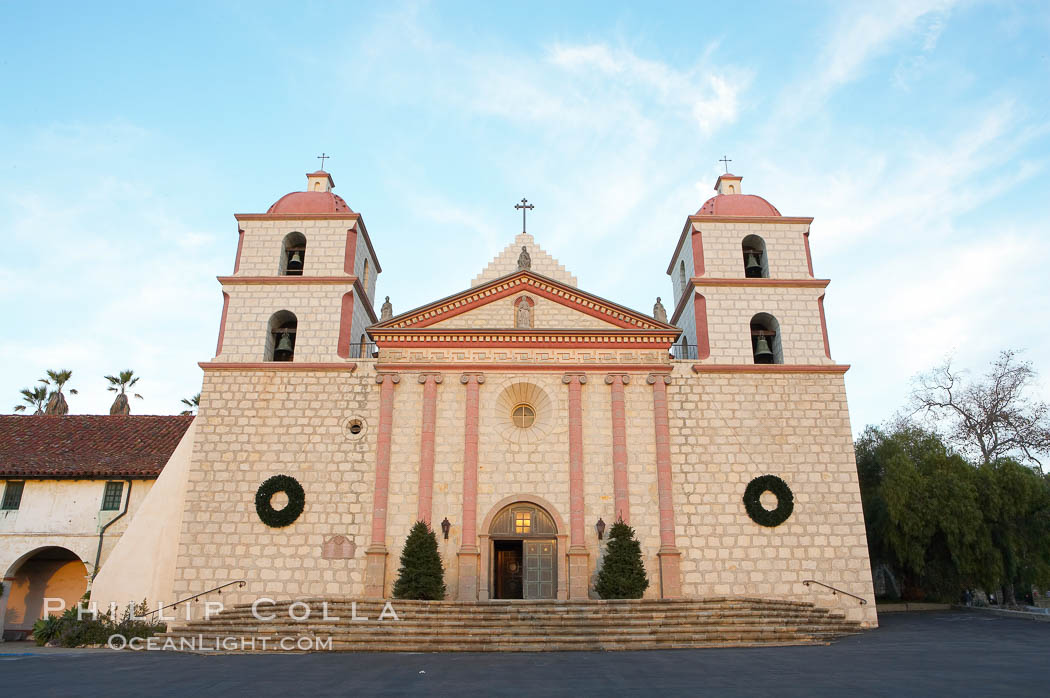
989 418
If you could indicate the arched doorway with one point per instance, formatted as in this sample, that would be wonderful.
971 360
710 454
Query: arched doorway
50 572
524 553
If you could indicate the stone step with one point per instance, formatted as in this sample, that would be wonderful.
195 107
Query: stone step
232 624
529 626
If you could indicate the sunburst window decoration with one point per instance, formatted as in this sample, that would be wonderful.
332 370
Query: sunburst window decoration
523 413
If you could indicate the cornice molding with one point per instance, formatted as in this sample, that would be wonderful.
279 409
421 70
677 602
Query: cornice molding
770 368
699 281
283 366
469 367
286 280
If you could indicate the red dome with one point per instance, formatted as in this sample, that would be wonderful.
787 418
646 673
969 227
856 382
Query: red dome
310 202
737 205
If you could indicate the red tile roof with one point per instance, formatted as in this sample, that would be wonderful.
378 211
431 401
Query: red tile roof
88 446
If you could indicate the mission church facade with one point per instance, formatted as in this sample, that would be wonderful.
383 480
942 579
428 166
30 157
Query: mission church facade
516 417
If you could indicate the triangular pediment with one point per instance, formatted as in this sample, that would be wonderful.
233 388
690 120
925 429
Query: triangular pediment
555 305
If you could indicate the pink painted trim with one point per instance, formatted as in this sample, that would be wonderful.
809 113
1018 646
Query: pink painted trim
240 244
346 321
285 280
770 368
276 366
470 465
663 463
777 283
576 511
222 322
381 488
703 340
621 499
809 257
426 450
824 327
350 251
698 253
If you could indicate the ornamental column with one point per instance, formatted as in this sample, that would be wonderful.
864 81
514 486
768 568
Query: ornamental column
375 554
468 551
578 568
621 502
426 446
668 555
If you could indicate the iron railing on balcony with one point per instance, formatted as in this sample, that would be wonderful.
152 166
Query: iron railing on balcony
683 352
364 350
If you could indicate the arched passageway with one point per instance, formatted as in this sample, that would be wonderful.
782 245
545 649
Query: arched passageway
49 572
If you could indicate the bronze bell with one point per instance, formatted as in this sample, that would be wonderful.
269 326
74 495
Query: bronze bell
283 352
296 262
752 270
763 354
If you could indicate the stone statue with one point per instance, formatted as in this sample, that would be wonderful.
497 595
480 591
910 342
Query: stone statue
523 317
658 311
387 311
524 260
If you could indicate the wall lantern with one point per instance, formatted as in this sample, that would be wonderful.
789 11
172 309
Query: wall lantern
445 527
600 528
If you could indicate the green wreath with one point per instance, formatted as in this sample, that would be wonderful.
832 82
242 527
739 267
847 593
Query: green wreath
286 516
758 513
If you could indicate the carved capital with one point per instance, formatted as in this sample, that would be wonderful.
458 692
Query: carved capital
653 377
569 377
479 378
393 377
613 377
436 377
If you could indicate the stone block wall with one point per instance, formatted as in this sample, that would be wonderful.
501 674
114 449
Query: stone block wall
317 310
729 313
727 429
506 262
325 246
256 424
785 248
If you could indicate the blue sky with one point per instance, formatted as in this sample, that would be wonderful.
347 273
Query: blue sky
917 135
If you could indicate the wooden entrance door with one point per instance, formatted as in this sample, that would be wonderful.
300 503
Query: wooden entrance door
509 569
539 569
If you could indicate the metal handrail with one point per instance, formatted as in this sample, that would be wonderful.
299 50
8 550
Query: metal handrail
834 590
240 585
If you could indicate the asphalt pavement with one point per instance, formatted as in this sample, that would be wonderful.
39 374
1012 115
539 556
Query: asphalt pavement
951 653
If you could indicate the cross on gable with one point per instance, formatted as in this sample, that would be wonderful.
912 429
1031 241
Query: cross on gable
523 206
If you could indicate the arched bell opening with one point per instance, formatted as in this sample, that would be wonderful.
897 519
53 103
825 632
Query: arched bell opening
293 255
280 340
524 553
765 340
756 262
51 572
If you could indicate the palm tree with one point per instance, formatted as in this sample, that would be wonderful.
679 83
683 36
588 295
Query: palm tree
34 397
193 403
56 401
118 384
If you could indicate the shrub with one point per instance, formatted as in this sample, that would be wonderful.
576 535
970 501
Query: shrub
623 574
421 576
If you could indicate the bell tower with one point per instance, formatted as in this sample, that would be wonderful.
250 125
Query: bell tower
743 284
303 282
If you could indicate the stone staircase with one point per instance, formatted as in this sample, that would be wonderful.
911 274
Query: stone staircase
515 626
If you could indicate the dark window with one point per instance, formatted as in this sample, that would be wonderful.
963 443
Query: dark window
111 498
13 494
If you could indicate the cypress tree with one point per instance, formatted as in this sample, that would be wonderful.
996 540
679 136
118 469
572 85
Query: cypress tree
421 576
623 574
